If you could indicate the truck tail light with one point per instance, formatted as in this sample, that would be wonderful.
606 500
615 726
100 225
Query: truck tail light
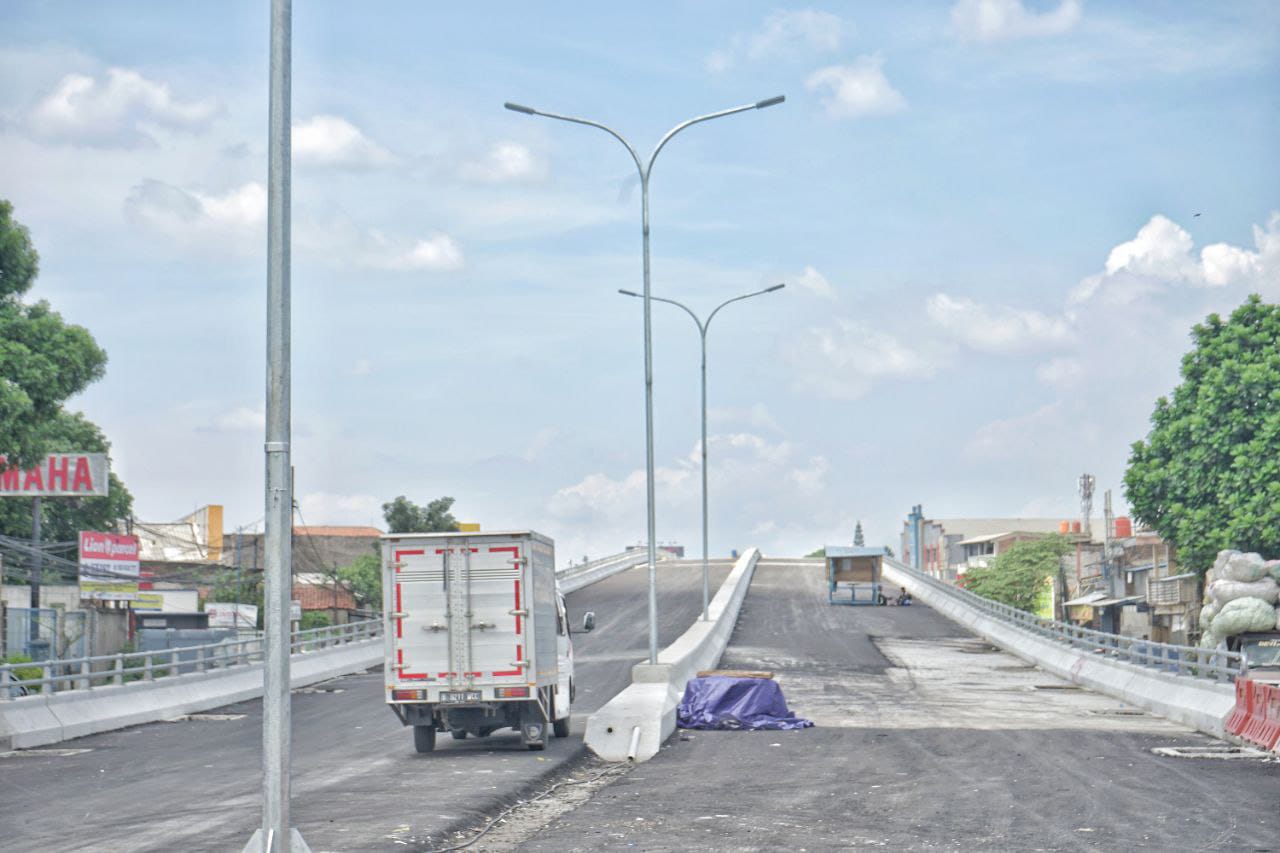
511 693
408 695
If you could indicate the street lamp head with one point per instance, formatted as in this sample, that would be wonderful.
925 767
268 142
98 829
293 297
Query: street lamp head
520 108
629 293
769 102
775 287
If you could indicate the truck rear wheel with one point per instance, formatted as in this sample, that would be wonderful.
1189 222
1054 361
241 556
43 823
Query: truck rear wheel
424 738
459 734
561 727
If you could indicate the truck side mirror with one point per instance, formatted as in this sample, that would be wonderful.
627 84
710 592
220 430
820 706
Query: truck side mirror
588 621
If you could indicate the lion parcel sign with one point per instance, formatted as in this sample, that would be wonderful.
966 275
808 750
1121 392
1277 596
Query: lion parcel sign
59 475
108 566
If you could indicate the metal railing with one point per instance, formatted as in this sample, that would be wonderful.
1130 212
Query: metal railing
85 673
1192 661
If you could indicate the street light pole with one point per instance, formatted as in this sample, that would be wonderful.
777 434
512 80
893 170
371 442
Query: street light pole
275 833
645 168
702 333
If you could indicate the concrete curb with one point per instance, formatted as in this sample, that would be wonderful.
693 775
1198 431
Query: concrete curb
44 719
649 704
1202 705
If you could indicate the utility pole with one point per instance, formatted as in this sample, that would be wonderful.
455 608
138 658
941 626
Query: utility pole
37 568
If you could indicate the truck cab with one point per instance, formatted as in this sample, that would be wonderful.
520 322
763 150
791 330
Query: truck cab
1261 652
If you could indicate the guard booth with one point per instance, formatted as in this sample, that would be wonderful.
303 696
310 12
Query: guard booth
853 575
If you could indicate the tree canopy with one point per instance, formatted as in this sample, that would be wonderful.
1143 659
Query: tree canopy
1207 477
404 516
43 360
1017 576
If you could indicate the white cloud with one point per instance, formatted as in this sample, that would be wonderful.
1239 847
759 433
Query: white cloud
192 215
846 360
776 483
1224 264
436 253
327 140
799 32
1163 254
814 282
1004 20
117 111
340 243
758 417
360 367
1162 249
996 328
330 508
856 90
505 161
1061 372
241 419
1022 434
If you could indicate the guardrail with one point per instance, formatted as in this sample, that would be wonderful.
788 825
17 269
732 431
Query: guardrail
1192 661
85 673
574 578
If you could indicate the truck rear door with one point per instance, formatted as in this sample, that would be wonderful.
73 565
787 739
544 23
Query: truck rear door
463 606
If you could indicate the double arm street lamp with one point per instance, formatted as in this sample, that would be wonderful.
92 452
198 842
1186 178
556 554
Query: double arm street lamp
702 332
645 168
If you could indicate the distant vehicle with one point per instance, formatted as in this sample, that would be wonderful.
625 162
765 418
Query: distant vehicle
477 636
1261 652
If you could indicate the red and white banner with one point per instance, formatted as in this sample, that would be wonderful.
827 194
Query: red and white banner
108 566
59 475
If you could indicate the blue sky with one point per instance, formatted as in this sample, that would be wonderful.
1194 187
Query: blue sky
985 212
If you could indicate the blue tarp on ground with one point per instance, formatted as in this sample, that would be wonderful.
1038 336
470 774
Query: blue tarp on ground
724 702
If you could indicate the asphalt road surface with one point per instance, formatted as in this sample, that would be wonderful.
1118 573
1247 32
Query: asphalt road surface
357 782
927 738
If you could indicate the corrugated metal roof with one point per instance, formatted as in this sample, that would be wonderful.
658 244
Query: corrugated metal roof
331 530
852 551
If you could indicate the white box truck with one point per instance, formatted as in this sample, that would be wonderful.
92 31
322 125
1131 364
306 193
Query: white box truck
477 636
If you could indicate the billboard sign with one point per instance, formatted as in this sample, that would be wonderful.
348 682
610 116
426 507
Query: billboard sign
223 614
59 475
108 566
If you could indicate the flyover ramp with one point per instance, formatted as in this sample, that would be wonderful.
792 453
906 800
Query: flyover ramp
357 782
927 737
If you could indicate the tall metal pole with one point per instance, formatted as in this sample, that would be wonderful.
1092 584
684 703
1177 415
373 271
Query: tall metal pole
645 169
37 569
275 834
650 504
702 334
706 573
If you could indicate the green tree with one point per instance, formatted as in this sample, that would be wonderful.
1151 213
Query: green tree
364 578
61 519
1207 477
1017 577
404 516
43 360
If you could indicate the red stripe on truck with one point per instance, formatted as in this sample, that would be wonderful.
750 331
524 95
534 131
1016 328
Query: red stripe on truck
399 554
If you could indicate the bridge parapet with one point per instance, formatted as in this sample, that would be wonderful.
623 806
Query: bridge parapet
1187 684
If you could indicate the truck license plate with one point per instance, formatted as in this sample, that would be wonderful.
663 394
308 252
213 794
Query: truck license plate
460 696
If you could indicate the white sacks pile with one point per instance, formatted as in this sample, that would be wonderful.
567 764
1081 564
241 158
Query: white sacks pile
1240 595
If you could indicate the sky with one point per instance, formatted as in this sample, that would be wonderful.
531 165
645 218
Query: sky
997 221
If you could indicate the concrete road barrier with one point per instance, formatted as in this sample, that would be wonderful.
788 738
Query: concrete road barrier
40 720
634 724
1203 705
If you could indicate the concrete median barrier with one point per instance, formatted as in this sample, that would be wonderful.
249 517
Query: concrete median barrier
634 724
40 720
1195 702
